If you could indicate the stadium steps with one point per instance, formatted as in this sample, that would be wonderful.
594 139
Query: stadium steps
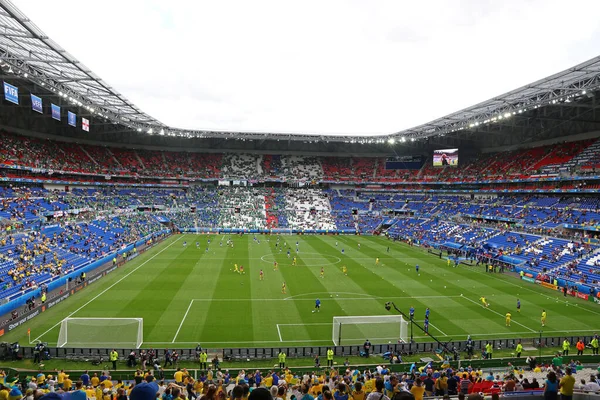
137 157
88 154
114 158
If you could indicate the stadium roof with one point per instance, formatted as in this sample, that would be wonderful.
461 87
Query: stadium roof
27 52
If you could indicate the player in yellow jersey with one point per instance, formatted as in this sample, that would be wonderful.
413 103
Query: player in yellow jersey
235 268
543 317
283 288
345 270
294 261
508 317
261 275
275 266
483 301
377 261
322 272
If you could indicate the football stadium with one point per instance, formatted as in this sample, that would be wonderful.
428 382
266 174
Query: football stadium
138 259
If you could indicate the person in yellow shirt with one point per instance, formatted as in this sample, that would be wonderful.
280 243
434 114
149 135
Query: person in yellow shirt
566 384
322 272
68 383
543 317
60 378
95 380
235 268
358 393
345 270
508 317
268 380
369 385
178 376
483 301
316 389
198 386
107 384
99 393
90 392
283 288
377 261
418 389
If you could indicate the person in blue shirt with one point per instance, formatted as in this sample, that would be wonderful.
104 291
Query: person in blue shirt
427 313
426 326
518 305
257 378
226 377
317 305
417 268
85 378
411 312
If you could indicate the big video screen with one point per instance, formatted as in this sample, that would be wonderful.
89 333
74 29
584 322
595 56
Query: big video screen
444 157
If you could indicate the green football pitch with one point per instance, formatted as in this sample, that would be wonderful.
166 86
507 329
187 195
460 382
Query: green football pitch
188 295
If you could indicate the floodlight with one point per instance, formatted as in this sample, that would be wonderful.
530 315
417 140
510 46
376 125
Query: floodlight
391 140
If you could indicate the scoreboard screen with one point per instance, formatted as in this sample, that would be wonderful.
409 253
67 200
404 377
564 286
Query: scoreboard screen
404 162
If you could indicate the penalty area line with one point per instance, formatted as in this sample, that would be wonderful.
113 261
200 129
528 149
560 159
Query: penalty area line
108 288
183 320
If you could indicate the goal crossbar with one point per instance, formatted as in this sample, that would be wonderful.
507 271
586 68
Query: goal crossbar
101 332
355 328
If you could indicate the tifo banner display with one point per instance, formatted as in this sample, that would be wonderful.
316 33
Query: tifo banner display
444 157
11 93
71 118
36 103
55 112
85 124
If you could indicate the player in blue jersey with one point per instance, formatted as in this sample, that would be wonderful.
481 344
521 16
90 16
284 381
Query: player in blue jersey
426 326
417 268
317 305
427 313
518 305
411 312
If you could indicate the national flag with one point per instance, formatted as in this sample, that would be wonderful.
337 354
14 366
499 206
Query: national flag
85 124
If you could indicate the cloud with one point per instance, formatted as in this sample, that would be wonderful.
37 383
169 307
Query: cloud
347 67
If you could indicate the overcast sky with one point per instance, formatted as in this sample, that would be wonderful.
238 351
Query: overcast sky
324 66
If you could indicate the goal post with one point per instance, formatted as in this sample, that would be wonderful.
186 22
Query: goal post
356 329
101 332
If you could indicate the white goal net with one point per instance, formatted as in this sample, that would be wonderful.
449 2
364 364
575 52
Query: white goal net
101 332
377 328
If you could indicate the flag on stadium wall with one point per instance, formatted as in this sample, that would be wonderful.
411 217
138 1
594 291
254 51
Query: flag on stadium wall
11 93
36 103
71 118
85 124
55 111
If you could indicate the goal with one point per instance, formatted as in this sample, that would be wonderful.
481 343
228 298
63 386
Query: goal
101 332
355 330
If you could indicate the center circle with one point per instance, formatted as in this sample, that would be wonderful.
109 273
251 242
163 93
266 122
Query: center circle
315 261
